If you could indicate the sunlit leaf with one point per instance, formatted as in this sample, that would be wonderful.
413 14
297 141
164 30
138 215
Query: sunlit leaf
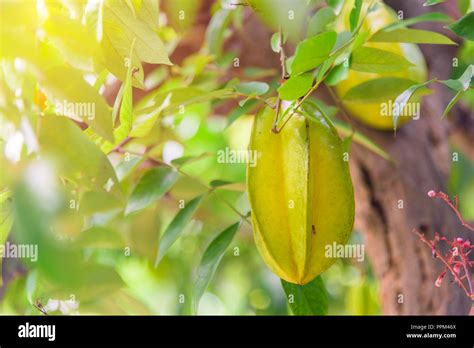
411 36
126 112
320 20
312 52
101 237
77 99
211 259
252 88
176 227
378 90
215 30
275 42
151 187
374 60
78 158
6 220
295 86
354 15
338 73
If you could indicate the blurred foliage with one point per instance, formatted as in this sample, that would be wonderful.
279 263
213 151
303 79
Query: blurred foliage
94 185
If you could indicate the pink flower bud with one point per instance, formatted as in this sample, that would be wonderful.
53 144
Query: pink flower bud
431 193
459 240
439 280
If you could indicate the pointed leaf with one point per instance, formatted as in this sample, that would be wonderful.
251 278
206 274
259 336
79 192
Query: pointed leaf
211 259
151 187
452 103
295 86
320 20
312 52
378 90
79 159
403 99
354 15
308 299
463 82
252 88
411 36
464 27
374 60
75 98
426 17
176 227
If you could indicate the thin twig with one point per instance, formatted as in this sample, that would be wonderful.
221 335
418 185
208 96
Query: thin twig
453 206
446 263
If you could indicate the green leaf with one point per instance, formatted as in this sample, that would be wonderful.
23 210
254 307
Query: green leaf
126 115
374 60
151 187
452 103
463 82
148 45
344 130
287 16
275 42
181 161
411 36
354 15
312 52
241 110
78 158
72 39
401 101
171 100
60 262
218 183
320 20
6 220
216 29
338 73
426 17
432 2
464 27
211 259
176 227
252 88
77 99
295 86
378 90
308 299
101 237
